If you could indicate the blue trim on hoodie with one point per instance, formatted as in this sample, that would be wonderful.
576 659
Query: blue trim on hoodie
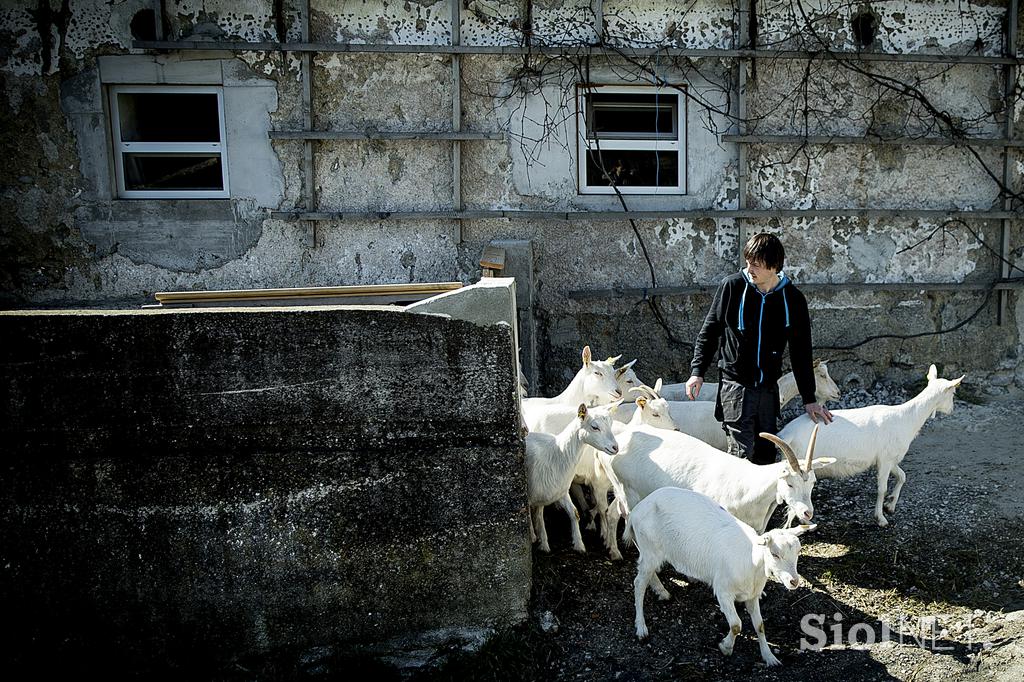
783 281
743 299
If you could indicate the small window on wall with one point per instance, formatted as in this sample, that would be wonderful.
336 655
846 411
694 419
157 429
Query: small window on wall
169 142
633 138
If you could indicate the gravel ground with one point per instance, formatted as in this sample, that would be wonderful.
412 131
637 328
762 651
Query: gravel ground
938 595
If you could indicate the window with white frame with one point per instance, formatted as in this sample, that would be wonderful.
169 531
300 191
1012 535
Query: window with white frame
632 138
169 141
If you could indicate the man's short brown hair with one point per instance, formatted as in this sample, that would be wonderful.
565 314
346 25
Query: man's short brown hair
766 249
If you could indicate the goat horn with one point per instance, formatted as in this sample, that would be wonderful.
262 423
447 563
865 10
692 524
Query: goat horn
651 392
646 391
786 450
810 447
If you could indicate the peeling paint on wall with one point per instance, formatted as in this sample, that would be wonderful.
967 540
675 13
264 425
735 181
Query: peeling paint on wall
73 244
649 23
922 26
425 22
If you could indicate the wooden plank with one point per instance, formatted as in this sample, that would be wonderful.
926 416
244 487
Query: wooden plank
431 288
493 258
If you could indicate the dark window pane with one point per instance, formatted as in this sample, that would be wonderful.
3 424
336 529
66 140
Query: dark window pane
173 171
632 116
634 99
168 117
628 168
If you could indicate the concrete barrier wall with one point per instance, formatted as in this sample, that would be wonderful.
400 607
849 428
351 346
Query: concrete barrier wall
202 485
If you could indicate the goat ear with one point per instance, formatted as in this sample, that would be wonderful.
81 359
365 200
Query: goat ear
582 411
613 360
586 355
642 402
764 539
803 528
933 373
819 462
956 382
612 406
657 386
817 363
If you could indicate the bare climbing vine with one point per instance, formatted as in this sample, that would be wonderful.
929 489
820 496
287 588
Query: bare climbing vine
832 92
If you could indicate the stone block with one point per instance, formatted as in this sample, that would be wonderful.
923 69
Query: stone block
185 488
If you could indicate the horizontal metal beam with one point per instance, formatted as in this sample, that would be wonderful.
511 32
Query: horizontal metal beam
376 135
868 140
820 287
750 213
563 51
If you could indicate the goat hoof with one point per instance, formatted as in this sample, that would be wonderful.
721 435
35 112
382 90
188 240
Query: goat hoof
580 548
641 631
545 548
725 649
590 526
615 555
882 522
664 596
770 660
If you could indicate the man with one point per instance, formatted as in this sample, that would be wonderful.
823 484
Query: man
755 313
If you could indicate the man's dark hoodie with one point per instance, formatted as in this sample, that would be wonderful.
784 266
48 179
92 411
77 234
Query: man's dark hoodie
751 329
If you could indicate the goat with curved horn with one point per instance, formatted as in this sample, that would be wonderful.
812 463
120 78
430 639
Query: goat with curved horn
786 451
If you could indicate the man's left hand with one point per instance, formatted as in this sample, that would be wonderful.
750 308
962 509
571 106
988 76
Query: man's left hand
814 410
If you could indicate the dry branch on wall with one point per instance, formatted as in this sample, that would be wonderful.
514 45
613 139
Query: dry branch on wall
904 89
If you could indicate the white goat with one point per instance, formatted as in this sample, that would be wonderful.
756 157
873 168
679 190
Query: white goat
649 459
627 379
697 417
876 436
594 384
551 462
704 542
651 410
825 387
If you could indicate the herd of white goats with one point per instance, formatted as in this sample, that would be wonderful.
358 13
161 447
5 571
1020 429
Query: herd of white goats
689 503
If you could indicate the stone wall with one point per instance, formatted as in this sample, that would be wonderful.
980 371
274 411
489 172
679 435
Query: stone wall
187 488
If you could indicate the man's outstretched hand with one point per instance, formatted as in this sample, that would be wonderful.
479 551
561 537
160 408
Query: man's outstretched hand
814 411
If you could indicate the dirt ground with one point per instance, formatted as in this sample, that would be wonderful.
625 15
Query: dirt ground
940 592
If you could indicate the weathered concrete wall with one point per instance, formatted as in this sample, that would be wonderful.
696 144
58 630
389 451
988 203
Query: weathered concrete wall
202 485
66 240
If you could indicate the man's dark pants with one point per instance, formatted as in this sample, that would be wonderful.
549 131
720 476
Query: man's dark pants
746 412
